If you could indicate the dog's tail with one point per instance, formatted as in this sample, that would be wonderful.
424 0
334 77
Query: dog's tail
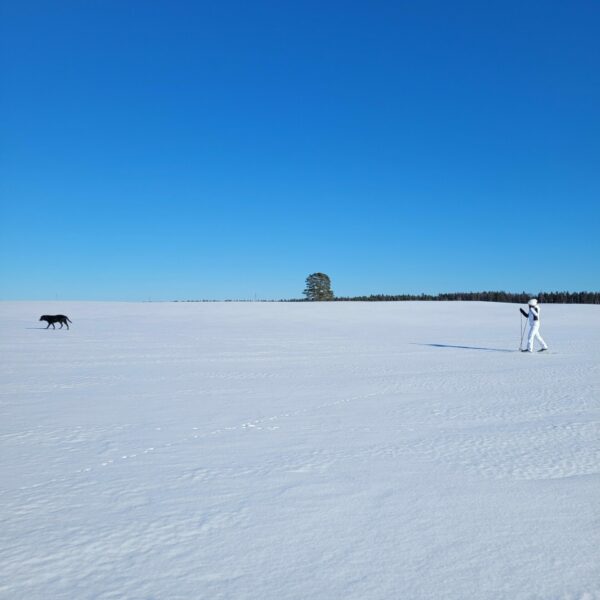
67 318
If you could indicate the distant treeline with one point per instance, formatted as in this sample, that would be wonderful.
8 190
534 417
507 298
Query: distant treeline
522 297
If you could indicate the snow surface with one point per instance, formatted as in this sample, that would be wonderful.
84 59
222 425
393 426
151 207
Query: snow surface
298 451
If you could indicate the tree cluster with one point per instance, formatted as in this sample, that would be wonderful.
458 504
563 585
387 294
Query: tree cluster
492 296
318 287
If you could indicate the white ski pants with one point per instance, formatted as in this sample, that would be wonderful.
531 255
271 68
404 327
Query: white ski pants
534 332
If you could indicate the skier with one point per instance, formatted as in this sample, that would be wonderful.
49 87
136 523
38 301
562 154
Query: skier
533 317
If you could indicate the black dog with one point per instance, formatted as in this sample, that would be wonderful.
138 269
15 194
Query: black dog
51 319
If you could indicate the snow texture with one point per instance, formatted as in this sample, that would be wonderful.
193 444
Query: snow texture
298 451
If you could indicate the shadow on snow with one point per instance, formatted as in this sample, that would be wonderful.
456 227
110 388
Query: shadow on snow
466 347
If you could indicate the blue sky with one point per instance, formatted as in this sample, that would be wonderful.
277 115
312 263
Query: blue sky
178 150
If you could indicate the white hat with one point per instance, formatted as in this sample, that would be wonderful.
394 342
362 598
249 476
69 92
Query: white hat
533 302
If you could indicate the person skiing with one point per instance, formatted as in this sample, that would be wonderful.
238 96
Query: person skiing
533 318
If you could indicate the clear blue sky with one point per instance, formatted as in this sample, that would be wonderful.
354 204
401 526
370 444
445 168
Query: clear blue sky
177 150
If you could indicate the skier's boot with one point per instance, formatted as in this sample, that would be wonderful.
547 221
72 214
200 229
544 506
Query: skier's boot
542 349
526 350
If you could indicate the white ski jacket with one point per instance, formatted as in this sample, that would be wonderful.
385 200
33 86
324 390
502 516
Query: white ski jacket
533 316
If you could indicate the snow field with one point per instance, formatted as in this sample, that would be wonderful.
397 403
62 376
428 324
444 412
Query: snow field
292 451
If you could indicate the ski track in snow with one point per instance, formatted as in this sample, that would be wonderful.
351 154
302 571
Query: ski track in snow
291 451
263 424
494 455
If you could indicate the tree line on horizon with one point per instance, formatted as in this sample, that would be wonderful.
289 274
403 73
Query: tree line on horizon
518 298
318 288
491 296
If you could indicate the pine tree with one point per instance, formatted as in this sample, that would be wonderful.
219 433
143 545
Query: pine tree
318 287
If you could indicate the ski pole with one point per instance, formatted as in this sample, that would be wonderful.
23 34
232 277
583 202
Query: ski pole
522 332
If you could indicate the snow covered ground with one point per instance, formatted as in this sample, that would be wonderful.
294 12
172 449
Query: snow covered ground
298 451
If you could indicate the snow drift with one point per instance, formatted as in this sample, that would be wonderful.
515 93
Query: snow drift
293 451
